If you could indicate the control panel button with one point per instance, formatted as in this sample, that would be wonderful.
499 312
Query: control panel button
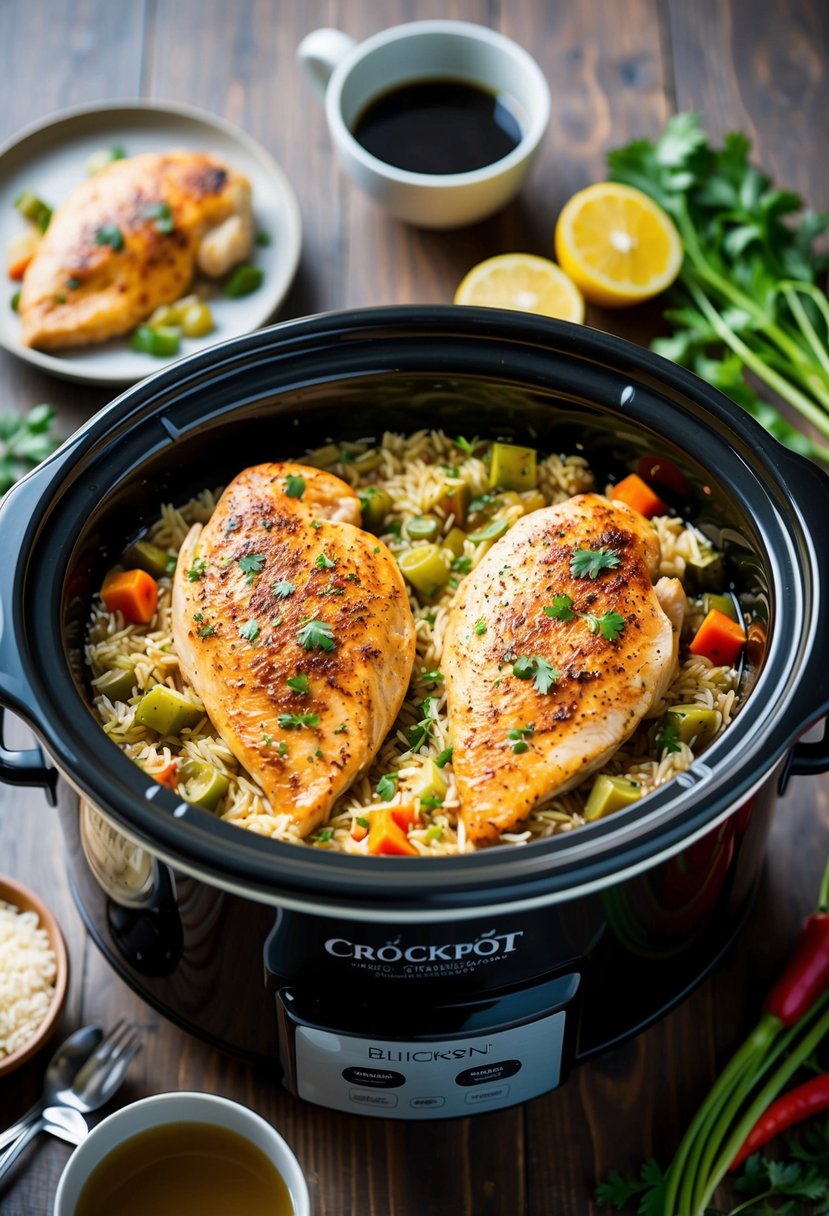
494 1093
484 1074
382 1078
427 1103
365 1097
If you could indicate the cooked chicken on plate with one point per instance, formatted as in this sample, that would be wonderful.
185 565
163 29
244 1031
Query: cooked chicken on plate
130 239
293 626
557 647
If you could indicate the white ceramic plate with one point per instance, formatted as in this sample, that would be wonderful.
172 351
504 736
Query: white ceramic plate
51 157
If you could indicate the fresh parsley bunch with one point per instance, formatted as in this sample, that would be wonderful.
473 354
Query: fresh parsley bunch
24 441
747 299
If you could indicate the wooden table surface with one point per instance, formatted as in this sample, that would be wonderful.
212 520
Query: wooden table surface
616 70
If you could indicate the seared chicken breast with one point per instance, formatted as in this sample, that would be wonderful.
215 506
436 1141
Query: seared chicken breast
556 648
294 627
129 239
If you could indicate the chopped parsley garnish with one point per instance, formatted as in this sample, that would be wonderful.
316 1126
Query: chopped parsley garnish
542 673
517 740
324 562
462 564
342 729
267 739
589 563
668 741
323 836
163 216
294 486
352 577
316 635
480 627
283 589
298 683
251 564
451 470
198 616
295 721
207 631
197 570
445 756
431 801
361 819
466 445
434 676
110 234
387 787
250 630
318 753
419 733
609 625
316 524
283 748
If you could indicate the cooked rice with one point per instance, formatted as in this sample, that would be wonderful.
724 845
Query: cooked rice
27 977
410 469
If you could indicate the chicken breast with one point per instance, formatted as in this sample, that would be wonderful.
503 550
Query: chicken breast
294 627
126 241
555 650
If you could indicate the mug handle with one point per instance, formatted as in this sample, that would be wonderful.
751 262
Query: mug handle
320 52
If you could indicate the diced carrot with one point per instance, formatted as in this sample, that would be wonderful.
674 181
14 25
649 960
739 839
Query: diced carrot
20 251
406 816
133 593
719 639
385 835
358 830
168 775
637 495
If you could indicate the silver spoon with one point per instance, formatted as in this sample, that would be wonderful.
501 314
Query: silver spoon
60 1073
61 1121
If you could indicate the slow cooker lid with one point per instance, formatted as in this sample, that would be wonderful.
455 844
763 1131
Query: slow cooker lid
548 375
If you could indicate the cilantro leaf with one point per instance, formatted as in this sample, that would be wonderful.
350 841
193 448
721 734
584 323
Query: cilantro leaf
207 631
250 630
523 668
294 486
283 589
251 564
294 721
589 563
445 756
537 669
197 570
324 562
162 214
316 635
110 234
25 440
387 787
466 445
324 835
298 684
610 625
561 608
667 741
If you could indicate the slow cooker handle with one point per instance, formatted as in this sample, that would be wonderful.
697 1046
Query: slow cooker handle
26 767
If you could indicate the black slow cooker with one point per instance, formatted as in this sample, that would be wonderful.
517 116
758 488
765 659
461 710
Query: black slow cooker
402 988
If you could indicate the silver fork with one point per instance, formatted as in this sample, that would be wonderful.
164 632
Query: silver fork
94 1084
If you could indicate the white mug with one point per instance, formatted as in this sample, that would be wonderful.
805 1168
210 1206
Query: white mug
351 75
161 1109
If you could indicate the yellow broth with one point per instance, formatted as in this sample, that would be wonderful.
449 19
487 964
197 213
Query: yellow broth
185 1169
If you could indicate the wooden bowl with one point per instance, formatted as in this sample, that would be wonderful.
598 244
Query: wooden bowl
13 893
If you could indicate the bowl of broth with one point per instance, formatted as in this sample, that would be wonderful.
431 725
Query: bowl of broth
183 1154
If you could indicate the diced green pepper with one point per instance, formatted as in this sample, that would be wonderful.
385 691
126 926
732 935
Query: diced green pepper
430 782
454 499
422 527
202 784
367 462
14 302
152 558
610 794
491 531
324 457
375 503
167 711
33 208
705 574
426 567
695 725
513 467
244 280
454 541
160 342
722 603
116 684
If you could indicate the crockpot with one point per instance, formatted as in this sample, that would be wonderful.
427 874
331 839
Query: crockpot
399 987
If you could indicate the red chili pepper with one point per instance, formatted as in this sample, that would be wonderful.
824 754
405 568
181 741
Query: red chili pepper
798 1104
806 976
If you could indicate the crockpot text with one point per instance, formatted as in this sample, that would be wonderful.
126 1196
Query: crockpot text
483 946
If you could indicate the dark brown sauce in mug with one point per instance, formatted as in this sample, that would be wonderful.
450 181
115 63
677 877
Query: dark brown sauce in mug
438 126
185 1169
